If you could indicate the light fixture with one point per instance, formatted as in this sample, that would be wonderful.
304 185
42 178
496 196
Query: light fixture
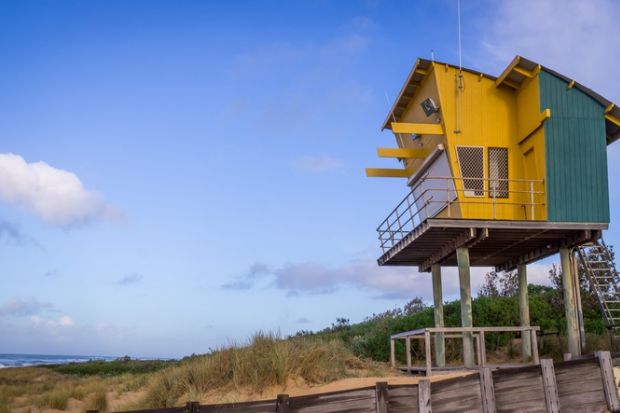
429 106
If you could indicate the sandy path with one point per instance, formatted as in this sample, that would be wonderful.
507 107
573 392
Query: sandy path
301 389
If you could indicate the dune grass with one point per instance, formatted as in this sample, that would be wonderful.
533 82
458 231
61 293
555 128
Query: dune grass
266 361
40 388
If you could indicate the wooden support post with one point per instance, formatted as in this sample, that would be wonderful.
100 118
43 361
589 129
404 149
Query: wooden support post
427 352
381 394
483 350
440 353
193 407
579 308
572 328
408 350
393 353
524 313
535 348
487 391
552 399
282 404
609 382
462 257
424 396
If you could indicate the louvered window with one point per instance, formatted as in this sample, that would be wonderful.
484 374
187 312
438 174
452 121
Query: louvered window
471 162
498 172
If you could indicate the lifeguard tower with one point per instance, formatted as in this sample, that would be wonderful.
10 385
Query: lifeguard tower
501 171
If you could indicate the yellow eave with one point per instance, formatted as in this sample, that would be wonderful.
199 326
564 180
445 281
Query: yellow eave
402 153
417 128
387 173
507 71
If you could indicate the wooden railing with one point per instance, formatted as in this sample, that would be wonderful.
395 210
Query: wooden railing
477 335
583 385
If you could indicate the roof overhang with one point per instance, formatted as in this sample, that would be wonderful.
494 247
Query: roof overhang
517 72
521 69
420 70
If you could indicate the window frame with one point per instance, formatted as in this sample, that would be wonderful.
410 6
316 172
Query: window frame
471 193
504 191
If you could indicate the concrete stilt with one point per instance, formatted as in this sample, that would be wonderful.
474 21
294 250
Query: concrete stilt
524 312
462 258
440 355
568 284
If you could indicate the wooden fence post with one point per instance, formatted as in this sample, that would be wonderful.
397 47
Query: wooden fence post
427 352
191 407
609 383
282 404
408 350
392 353
381 394
534 346
487 390
424 396
551 388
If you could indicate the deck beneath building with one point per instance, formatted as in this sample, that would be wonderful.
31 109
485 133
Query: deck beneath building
494 243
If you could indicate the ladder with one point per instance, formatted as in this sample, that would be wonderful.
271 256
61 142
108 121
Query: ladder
597 262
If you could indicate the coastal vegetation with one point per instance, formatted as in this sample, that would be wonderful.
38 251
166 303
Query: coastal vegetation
269 363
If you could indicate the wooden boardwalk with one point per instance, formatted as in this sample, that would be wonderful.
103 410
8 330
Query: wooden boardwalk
586 385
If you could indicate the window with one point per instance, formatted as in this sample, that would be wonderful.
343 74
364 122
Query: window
498 172
471 162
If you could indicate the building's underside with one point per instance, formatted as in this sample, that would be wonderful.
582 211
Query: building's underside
499 244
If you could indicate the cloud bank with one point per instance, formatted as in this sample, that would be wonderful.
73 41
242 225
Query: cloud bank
129 279
392 283
56 196
23 307
574 37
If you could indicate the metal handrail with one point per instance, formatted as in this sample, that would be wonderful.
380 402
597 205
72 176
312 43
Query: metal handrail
413 209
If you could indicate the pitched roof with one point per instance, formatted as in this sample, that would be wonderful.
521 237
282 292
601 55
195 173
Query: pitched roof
513 76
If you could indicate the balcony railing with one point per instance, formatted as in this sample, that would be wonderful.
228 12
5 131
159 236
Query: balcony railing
433 195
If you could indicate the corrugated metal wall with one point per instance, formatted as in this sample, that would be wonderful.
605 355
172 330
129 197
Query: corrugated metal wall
576 154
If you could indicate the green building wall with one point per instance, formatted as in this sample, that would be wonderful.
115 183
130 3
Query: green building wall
576 154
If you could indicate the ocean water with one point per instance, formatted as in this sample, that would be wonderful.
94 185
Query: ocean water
23 360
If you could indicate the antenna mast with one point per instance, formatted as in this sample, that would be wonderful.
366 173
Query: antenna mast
459 76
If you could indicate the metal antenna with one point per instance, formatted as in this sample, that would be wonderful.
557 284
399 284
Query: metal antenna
458 13
459 76
433 55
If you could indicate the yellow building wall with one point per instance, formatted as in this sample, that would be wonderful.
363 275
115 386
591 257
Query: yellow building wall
531 143
489 117
485 116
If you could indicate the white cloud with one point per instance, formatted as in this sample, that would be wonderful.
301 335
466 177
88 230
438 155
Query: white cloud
56 196
62 321
577 38
366 275
20 307
319 163
34 310
247 280
129 279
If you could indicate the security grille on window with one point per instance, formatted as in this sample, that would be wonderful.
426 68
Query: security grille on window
498 172
471 162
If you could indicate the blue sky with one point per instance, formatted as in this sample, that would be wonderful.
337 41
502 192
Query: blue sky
175 176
